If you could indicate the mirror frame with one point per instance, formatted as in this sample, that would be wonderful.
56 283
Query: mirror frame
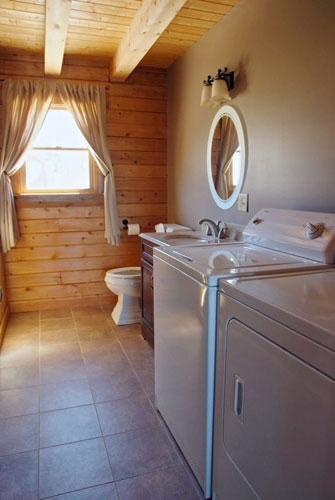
236 118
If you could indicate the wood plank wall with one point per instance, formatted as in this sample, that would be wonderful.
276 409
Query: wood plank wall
3 302
62 257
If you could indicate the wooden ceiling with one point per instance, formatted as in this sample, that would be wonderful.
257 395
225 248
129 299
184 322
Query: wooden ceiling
160 30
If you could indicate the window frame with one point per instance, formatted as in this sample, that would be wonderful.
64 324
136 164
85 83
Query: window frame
20 185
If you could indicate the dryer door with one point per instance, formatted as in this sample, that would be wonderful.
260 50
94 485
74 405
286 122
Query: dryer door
279 414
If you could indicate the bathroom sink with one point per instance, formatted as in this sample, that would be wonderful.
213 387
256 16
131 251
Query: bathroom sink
186 236
179 238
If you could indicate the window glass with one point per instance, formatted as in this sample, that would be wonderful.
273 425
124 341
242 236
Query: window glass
60 158
57 170
59 130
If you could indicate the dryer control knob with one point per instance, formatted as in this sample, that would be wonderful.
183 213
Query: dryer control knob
313 230
257 221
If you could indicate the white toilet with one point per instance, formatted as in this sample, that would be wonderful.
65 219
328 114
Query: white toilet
126 283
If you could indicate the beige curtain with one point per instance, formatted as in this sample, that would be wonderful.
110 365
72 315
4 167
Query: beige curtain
25 106
87 103
228 145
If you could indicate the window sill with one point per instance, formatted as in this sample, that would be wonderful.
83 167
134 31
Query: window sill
74 193
45 198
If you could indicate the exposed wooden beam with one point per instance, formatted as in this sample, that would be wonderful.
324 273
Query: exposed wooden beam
149 22
57 15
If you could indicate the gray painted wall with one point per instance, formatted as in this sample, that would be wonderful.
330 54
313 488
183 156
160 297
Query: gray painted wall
283 52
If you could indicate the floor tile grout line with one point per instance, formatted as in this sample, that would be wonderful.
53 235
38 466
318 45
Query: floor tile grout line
135 372
20 453
183 460
131 364
47 383
65 343
150 472
86 377
144 474
146 396
95 408
140 382
38 352
115 482
163 426
52 446
159 421
78 490
39 429
82 440
117 491
39 412
105 446
97 413
173 444
184 463
153 426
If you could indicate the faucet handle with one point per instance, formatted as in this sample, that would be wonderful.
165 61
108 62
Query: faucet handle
222 233
208 230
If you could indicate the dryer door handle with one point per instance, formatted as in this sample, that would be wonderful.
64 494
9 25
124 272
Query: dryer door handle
239 398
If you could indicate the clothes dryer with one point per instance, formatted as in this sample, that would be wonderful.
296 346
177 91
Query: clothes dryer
274 433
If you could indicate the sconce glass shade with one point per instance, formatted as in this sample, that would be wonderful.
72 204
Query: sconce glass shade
206 95
220 93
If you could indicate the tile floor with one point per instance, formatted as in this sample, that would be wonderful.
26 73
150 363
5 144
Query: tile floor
77 420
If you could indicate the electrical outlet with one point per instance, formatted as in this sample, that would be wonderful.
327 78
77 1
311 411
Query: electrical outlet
242 202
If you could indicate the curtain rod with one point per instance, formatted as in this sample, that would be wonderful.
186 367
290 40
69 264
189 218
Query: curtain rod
107 87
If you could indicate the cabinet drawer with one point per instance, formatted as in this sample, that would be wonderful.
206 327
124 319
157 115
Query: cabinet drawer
147 251
147 293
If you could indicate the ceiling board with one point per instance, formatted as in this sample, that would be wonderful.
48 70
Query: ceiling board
96 27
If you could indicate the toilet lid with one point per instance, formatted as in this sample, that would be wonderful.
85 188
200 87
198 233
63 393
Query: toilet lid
129 272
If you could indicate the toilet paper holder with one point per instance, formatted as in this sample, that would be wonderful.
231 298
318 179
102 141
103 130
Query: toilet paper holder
132 229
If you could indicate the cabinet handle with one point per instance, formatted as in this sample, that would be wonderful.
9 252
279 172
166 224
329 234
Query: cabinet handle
152 282
239 398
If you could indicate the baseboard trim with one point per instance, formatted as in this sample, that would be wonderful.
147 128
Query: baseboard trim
3 323
62 303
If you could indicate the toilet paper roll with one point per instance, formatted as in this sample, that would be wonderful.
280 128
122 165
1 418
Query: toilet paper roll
134 229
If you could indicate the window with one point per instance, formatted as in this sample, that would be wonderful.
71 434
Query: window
233 171
236 163
60 161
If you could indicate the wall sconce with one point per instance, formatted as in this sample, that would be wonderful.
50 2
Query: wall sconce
215 91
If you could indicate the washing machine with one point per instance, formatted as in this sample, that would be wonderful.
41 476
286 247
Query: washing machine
185 296
274 432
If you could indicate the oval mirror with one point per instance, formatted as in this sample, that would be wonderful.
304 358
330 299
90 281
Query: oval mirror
226 156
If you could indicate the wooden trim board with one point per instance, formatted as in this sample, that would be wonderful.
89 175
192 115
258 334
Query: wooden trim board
3 323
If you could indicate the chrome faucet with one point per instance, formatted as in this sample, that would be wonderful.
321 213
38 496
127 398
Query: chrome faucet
215 228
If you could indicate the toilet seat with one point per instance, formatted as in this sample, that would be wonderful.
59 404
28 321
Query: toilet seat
124 272
123 275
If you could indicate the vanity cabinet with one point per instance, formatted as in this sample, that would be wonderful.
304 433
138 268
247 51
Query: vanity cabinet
147 292
148 242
